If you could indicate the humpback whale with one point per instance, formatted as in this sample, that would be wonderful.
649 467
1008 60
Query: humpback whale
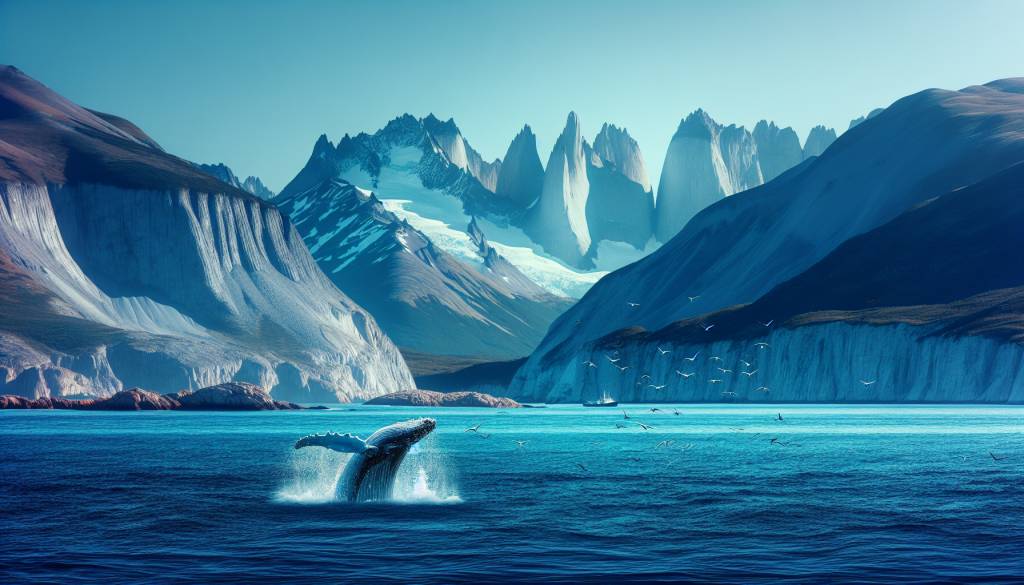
370 473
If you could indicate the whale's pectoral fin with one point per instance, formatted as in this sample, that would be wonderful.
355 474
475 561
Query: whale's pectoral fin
346 443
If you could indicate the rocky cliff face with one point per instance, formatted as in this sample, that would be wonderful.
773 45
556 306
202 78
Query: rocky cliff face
778 149
818 140
620 203
522 175
133 268
559 219
704 163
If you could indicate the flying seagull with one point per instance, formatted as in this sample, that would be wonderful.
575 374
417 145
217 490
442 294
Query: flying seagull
749 374
609 358
655 410
768 324
764 389
625 415
622 369
676 412
632 305
868 382
761 345
473 429
520 444
707 327
690 359
994 458
745 363
590 364
714 381
656 386
725 370
693 298
585 470
663 351
643 426
715 358
685 374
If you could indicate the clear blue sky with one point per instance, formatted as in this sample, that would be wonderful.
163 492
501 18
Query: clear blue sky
252 84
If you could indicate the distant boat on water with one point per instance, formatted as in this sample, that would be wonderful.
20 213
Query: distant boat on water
605 400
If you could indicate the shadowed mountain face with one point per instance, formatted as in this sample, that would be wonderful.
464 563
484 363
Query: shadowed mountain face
425 299
737 251
139 269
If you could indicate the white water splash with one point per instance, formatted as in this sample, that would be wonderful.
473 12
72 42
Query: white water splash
423 478
315 475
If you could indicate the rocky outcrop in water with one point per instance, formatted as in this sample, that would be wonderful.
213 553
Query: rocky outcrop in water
229 396
431 398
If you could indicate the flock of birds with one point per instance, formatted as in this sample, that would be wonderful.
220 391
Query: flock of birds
719 375
773 439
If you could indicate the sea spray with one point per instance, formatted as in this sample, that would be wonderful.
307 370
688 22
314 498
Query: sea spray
426 477
314 476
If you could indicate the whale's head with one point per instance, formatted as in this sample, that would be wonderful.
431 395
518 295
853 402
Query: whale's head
402 435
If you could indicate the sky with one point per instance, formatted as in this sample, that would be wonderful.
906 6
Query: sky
253 84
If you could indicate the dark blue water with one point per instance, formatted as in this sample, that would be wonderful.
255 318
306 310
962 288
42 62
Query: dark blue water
873 493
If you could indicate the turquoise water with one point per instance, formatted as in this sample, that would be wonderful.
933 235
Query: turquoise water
862 493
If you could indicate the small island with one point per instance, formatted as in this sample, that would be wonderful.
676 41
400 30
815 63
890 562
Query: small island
227 396
432 398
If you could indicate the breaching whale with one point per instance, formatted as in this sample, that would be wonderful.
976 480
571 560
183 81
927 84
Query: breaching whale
370 473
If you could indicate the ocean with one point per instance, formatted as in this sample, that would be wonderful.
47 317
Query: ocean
879 493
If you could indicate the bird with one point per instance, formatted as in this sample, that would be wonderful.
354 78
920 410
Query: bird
657 386
767 324
648 376
693 298
994 458
725 370
473 429
690 359
868 382
622 369
714 381
684 374
620 426
665 443
728 393
655 410
707 327
582 467
764 389
590 364
779 417
609 358
676 412
643 426
625 415
632 305
749 374
520 444
663 351
775 440
715 358
761 345
745 363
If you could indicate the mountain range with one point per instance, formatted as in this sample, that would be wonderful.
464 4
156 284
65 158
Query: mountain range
123 265
883 269
424 298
